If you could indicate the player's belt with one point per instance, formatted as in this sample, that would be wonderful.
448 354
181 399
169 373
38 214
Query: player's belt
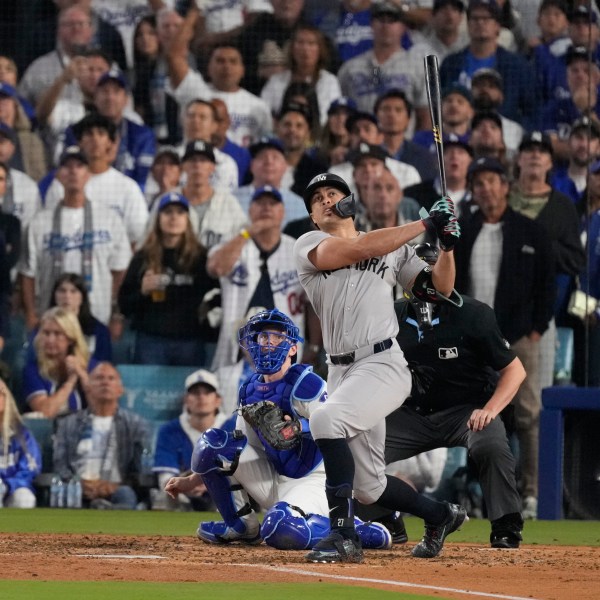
350 357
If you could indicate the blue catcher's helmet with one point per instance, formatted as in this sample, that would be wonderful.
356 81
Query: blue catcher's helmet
268 353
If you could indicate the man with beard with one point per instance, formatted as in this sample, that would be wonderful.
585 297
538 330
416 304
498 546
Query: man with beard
488 94
583 147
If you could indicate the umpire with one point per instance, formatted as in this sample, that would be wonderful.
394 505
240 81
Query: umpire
464 375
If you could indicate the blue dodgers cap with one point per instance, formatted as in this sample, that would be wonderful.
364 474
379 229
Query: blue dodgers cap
8 132
7 90
485 163
266 142
113 75
344 103
453 140
171 198
72 152
268 190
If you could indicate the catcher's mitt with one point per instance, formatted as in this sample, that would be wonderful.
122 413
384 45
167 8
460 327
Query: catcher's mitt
267 418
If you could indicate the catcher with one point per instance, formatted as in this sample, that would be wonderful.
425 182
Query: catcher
271 455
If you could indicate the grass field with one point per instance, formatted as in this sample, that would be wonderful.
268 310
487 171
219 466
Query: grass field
144 523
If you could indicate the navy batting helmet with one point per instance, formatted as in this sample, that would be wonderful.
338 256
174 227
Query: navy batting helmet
269 352
324 180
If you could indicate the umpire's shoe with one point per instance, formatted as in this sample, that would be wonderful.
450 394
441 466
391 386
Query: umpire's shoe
218 532
335 548
433 540
395 525
506 531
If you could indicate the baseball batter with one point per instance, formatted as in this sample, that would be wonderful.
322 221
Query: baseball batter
348 277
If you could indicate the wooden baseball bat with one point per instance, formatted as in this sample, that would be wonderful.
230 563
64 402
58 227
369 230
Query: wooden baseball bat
434 95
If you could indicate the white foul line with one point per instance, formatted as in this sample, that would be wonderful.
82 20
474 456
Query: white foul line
123 556
381 581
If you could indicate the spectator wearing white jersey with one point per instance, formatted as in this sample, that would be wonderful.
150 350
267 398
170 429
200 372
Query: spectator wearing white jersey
107 187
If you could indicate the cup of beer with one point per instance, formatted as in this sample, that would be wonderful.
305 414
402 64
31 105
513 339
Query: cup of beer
160 293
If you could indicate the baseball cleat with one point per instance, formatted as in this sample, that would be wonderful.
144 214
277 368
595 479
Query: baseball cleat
217 532
433 540
335 548
373 536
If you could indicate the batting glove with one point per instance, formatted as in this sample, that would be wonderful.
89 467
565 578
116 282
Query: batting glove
449 234
440 214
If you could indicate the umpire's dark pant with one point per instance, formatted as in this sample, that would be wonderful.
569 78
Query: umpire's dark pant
410 432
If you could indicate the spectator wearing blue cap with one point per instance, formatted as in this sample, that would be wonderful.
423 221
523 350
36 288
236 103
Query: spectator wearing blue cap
502 260
267 168
163 289
483 24
582 98
28 154
583 148
551 46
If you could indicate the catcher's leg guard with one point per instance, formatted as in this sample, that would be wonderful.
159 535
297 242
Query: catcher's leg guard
372 535
216 457
287 527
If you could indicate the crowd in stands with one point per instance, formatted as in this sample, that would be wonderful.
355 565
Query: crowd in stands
153 155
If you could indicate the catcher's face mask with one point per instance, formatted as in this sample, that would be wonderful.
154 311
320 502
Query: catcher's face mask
268 337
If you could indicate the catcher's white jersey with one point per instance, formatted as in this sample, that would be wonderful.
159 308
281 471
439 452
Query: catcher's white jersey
355 303
238 287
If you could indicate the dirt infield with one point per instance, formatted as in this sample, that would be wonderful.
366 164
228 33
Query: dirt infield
548 573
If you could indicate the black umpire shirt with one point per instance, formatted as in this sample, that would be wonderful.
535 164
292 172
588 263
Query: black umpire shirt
462 353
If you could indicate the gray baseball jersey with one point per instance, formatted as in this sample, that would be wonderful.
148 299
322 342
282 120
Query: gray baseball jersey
356 309
355 303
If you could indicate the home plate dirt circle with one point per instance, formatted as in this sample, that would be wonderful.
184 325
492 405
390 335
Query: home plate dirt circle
462 571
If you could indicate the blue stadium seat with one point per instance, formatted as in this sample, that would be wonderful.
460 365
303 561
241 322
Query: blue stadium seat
154 392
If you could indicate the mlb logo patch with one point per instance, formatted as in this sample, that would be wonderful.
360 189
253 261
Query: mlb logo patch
448 353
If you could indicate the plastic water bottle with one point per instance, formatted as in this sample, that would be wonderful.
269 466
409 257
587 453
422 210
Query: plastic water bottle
60 494
3 489
74 492
55 490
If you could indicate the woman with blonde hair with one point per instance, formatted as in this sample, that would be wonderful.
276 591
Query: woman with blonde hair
57 381
164 287
20 455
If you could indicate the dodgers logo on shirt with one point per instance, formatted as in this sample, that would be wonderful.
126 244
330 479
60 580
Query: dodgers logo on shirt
448 353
